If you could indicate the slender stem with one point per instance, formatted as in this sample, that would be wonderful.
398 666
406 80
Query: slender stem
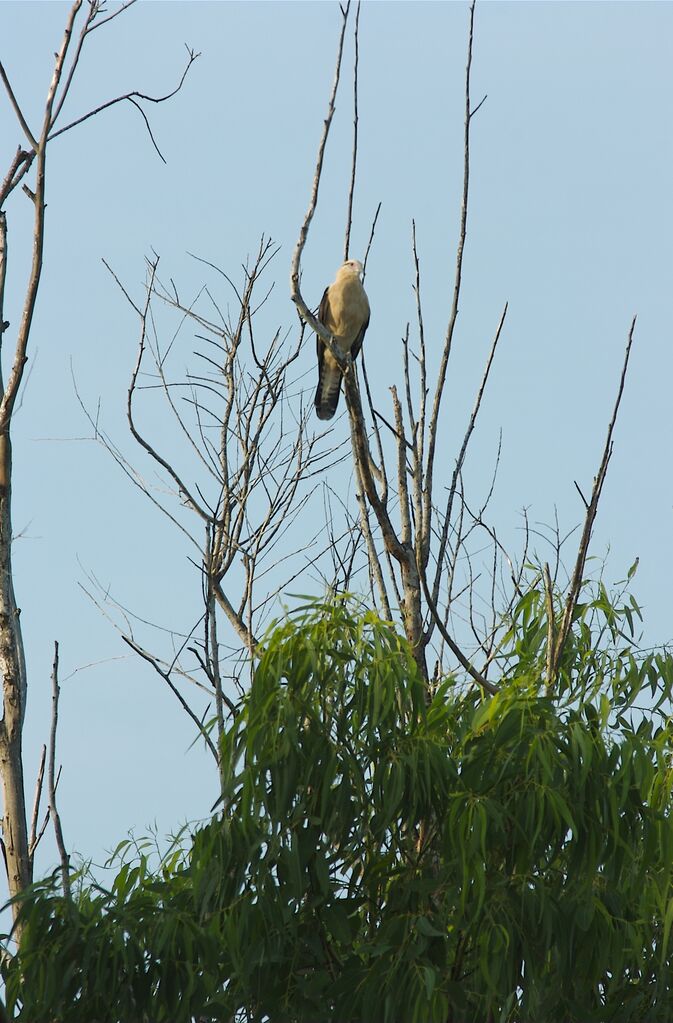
17 109
51 779
446 523
351 192
295 291
453 316
578 572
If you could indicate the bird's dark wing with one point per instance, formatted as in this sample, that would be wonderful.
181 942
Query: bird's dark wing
322 313
322 308
357 344
329 376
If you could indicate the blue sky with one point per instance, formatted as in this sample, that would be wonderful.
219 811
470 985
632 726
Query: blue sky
571 222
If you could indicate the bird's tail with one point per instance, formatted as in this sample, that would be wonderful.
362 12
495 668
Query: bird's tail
327 394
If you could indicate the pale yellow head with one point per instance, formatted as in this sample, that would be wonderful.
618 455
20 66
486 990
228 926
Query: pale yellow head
351 266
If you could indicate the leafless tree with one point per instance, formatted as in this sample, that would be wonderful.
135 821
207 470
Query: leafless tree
247 469
28 168
413 542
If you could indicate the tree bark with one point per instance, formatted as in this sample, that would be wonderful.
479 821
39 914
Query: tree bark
13 674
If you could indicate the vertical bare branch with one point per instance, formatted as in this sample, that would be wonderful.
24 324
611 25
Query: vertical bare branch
3 271
213 654
381 468
363 459
51 778
33 837
453 316
295 292
446 518
94 8
422 398
371 239
373 558
578 571
12 664
551 621
349 214
402 489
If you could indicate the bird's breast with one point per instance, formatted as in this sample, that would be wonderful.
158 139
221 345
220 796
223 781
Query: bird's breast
348 310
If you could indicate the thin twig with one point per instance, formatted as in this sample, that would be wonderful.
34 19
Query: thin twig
32 840
113 15
460 462
130 96
176 692
182 487
453 646
371 239
17 109
19 167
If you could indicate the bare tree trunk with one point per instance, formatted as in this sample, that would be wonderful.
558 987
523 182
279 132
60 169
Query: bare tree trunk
17 847
13 672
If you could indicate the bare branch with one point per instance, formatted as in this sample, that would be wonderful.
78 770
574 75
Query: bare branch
33 838
402 489
17 109
295 292
165 675
478 106
371 239
3 271
131 97
439 389
19 167
582 497
115 14
183 489
145 118
349 215
452 645
578 572
419 438
551 621
459 466
51 779
363 459
93 9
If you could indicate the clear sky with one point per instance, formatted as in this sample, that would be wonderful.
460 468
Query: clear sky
571 222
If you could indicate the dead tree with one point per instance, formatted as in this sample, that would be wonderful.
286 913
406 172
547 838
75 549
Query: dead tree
29 164
412 541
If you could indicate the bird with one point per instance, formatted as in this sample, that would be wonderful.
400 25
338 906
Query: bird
344 312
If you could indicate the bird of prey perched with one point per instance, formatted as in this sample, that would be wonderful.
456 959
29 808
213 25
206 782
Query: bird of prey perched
344 312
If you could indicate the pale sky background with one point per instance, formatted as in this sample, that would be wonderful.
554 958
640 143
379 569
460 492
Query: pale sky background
571 222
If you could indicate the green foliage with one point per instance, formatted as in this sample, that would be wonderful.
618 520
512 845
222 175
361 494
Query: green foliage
382 856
